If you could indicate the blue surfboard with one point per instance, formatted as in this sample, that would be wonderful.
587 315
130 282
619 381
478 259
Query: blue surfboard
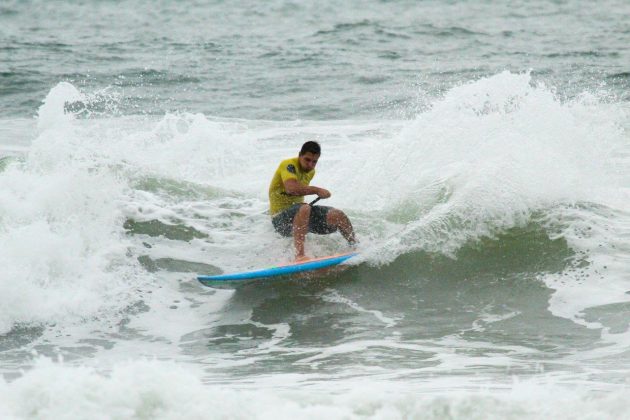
281 270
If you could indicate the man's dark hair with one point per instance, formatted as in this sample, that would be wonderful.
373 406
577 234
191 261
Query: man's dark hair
311 146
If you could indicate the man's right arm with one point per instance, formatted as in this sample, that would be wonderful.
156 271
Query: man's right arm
293 187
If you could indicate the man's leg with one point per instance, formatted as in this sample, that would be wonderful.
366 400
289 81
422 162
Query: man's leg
300 229
338 219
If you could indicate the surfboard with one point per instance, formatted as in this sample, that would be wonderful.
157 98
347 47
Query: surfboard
280 270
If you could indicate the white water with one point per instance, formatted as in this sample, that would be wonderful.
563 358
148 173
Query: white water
159 390
488 156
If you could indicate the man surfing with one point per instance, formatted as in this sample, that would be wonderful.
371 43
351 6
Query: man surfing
290 215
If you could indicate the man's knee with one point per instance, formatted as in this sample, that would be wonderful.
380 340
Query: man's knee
335 216
304 212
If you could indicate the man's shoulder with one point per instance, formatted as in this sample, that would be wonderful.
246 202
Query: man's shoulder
289 164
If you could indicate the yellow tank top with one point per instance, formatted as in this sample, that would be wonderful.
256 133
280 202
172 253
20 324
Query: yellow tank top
278 198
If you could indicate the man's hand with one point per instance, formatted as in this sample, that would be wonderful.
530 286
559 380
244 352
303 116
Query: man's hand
323 193
293 187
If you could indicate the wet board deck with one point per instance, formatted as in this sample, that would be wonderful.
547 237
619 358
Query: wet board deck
280 270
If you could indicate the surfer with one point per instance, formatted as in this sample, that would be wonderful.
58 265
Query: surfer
290 215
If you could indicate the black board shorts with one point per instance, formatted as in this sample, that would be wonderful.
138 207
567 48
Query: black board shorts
283 221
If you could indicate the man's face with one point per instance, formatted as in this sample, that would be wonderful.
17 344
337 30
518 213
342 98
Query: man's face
308 161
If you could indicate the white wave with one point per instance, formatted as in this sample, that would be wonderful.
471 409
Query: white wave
486 157
52 111
62 246
161 390
483 159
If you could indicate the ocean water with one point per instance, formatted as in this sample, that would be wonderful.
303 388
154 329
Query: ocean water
481 150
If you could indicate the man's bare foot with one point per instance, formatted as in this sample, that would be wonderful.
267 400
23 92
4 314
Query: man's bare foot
300 258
